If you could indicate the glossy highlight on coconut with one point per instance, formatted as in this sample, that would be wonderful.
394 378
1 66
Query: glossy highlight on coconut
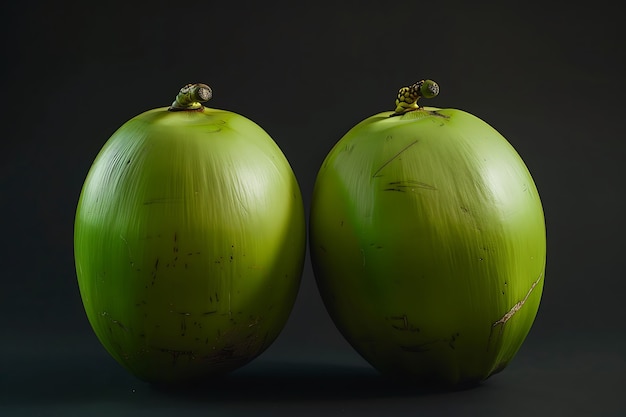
428 242
189 241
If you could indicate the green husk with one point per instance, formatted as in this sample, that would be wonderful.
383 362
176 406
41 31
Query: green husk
428 243
189 243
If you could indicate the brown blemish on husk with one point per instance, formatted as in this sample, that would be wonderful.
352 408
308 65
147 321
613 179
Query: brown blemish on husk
517 305
504 319
394 157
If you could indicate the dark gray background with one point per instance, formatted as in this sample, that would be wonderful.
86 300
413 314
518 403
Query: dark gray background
549 78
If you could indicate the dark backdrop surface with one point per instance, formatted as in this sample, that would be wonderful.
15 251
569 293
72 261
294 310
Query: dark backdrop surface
550 79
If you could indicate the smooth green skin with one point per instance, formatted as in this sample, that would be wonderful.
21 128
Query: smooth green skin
189 243
428 243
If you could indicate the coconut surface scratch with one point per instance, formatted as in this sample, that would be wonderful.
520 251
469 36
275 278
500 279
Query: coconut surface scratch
393 158
517 305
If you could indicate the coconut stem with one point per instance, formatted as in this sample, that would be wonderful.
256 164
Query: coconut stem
407 96
191 97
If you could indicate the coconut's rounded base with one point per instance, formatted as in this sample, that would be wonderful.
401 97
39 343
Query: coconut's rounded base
173 375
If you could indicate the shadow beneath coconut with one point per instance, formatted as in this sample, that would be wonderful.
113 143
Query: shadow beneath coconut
282 381
96 381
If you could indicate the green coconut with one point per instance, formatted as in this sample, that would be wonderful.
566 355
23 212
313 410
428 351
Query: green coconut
189 241
428 242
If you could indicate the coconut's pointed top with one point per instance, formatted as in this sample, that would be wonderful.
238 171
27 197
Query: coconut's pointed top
191 97
408 96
